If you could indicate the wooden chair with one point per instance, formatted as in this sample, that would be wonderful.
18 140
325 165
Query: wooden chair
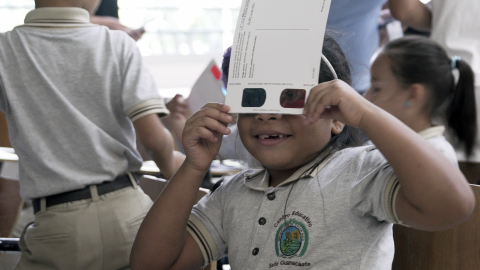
10 205
454 249
153 186
4 139
471 170
10 201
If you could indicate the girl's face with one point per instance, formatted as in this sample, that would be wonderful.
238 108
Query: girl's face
283 143
386 91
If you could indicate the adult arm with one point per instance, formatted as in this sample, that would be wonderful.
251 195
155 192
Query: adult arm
412 13
162 241
434 194
158 143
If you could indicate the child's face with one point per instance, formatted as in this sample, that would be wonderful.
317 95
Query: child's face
386 91
284 142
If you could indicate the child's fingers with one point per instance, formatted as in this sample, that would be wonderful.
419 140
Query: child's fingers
335 100
210 119
221 107
317 102
204 133
213 125
215 111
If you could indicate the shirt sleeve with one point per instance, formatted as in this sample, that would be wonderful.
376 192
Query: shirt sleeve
205 226
140 94
375 191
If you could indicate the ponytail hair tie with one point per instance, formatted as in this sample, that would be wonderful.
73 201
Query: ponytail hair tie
453 62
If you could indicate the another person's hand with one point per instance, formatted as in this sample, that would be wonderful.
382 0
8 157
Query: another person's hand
136 34
179 113
178 105
203 134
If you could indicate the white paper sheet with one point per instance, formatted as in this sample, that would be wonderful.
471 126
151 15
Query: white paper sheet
277 46
207 88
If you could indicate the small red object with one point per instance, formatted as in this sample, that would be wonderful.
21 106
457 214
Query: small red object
216 72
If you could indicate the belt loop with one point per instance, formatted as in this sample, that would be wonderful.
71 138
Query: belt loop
43 205
133 180
94 192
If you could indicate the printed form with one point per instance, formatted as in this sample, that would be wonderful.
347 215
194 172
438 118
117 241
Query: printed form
276 55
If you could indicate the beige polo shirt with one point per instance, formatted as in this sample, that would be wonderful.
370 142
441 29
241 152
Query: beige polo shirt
70 90
340 204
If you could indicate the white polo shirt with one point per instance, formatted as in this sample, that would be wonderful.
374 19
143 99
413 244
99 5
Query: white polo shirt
338 215
434 136
70 90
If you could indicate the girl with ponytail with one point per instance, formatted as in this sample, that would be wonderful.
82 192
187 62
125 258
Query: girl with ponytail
414 79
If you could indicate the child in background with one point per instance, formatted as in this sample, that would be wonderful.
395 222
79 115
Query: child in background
74 95
412 78
455 25
316 203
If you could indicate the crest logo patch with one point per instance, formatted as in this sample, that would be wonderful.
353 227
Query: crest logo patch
291 239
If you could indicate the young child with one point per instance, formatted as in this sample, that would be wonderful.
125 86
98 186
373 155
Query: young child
316 204
74 95
412 78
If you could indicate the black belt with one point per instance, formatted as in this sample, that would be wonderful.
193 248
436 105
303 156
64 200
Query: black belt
120 182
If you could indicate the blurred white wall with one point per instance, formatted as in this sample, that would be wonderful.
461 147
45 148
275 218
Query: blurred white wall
177 74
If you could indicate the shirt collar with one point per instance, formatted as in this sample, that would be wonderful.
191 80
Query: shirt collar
58 17
260 179
432 132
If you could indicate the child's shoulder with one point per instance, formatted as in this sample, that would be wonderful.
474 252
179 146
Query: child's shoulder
361 156
115 36
367 149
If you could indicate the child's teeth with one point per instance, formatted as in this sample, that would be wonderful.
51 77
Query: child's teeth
280 136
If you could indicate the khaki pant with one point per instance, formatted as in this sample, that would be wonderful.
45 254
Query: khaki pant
96 233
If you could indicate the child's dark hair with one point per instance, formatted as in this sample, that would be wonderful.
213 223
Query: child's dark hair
416 59
226 66
350 136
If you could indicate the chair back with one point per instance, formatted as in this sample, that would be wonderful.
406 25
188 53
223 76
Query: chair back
4 139
10 205
454 249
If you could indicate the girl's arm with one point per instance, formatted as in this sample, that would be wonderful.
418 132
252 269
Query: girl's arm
162 241
434 194
412 13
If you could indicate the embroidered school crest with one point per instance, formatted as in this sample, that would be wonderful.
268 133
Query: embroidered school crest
291 239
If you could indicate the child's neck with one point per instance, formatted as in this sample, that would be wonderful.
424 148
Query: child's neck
420 125
278 176
64 3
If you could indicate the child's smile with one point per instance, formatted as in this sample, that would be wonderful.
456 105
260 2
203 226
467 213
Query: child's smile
271 137
283 143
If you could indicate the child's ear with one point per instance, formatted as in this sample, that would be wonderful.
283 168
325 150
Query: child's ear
418 96
337 127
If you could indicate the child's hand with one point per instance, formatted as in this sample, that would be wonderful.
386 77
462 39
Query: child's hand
203 133
335 100
178 106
